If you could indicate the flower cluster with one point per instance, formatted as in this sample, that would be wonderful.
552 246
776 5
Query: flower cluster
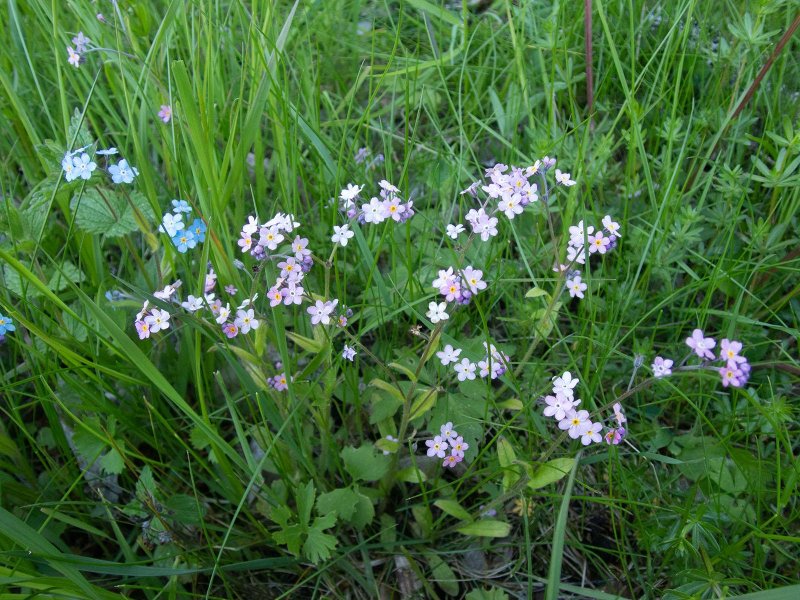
459 286
585 241
77 164
561 405
448 439
183 237
736 370
389 205
81 43
492 365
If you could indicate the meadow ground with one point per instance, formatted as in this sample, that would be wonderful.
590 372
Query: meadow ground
355 299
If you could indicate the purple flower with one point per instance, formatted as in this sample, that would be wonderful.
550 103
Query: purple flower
436 446
662 367
729 352
732 375
701 345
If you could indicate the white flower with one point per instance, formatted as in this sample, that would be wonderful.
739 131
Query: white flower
565 384
351 191
576 233
251 226
448 355
70 173
107 152
168 291
592 434
437 312
73 57
474 279
171 224
341 235
575 423
158 320
510 206
576 287
465 369
123 172
245 320
223 313
270 237
348 353
248 301
564 179
611 226
193 304
454 230
374 212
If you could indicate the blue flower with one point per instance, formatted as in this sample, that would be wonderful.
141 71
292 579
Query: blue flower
5 324
198 228
184 240
181 206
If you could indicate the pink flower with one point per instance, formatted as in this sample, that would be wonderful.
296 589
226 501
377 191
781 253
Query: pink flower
143 329
459 446
701 345
452 460
230 329
729 352
662 367
165 114
557 407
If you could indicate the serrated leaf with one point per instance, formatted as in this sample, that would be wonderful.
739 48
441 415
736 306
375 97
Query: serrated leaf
454 509
108 213
364 512
364 464
550 472
146 486
341 501
62 276
184 509
78 135
318 545
486 528
112 463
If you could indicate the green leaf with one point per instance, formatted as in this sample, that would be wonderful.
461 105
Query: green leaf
442 574
146 486
508 459
112 462
78 134
404 370
454 509
318 545
436 11
486 528
184 509
364 464
490 594
411 475
364 511
389 388
305 343
550 472
425 401
341 501
61 277
108 213
559 535
536 293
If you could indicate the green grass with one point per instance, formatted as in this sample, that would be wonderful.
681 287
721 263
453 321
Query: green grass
169 468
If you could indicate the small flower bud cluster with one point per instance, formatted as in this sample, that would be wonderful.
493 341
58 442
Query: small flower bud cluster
183 237
448 439
736 370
